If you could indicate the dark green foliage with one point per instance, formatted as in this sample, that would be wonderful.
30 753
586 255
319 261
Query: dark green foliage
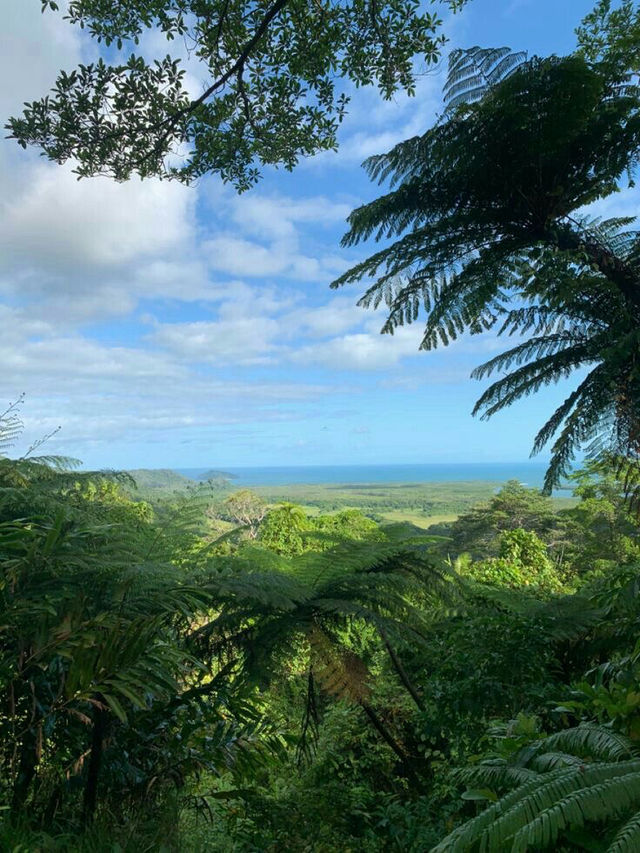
577 788
93 652
611 35
522 562
575 778
132 662
314 689
513 506
593 535
318 697
606 518
269 94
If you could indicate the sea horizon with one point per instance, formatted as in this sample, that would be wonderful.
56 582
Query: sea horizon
528 473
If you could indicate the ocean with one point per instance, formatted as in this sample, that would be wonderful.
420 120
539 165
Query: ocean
528 473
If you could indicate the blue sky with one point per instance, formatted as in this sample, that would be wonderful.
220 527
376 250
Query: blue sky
161 325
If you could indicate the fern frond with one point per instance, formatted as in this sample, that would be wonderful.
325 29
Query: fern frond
592 741
627 839
473 71
484 213
340 672
493 775
505 824
610 798
527 379
535 349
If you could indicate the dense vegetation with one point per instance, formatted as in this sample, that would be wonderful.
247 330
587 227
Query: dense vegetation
215 671
422 503
312 682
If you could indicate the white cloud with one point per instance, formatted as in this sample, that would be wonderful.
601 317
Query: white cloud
266 240
232 255
361 351
37 44
101 393
79 251
277 216
237 256
233 288
243 341
181 278
335 317
58 221
251 326
620 204
274 236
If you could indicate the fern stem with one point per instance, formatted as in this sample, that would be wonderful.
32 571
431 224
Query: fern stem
95 760
384 732
401 671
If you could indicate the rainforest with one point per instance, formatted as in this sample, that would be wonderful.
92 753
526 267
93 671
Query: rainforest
191 663
202 670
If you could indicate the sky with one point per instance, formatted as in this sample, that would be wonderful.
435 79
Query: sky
168 326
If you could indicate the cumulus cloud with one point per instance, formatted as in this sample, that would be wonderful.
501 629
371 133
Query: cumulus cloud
277 216
39 45
60 222
243 341
266 240
361 351
333 318
152 312
102 394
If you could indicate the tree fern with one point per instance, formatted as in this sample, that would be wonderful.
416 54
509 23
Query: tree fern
313 601
485 232
474 70
627 839
95 619
576 777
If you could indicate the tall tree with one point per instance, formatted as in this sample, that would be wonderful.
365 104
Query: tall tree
248 509
268 71
489 233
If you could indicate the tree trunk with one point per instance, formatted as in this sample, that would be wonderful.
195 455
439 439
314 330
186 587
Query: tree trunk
95 761
405 760
615 269
401 671
382 731
26 769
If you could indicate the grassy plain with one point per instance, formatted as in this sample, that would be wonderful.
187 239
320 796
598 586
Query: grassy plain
416 502
422 504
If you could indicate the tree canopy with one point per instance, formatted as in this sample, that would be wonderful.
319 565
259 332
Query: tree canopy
270 75
148 678
488 231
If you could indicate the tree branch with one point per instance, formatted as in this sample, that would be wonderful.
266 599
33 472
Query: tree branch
235 69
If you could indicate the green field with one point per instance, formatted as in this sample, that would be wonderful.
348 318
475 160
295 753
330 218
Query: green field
422 504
